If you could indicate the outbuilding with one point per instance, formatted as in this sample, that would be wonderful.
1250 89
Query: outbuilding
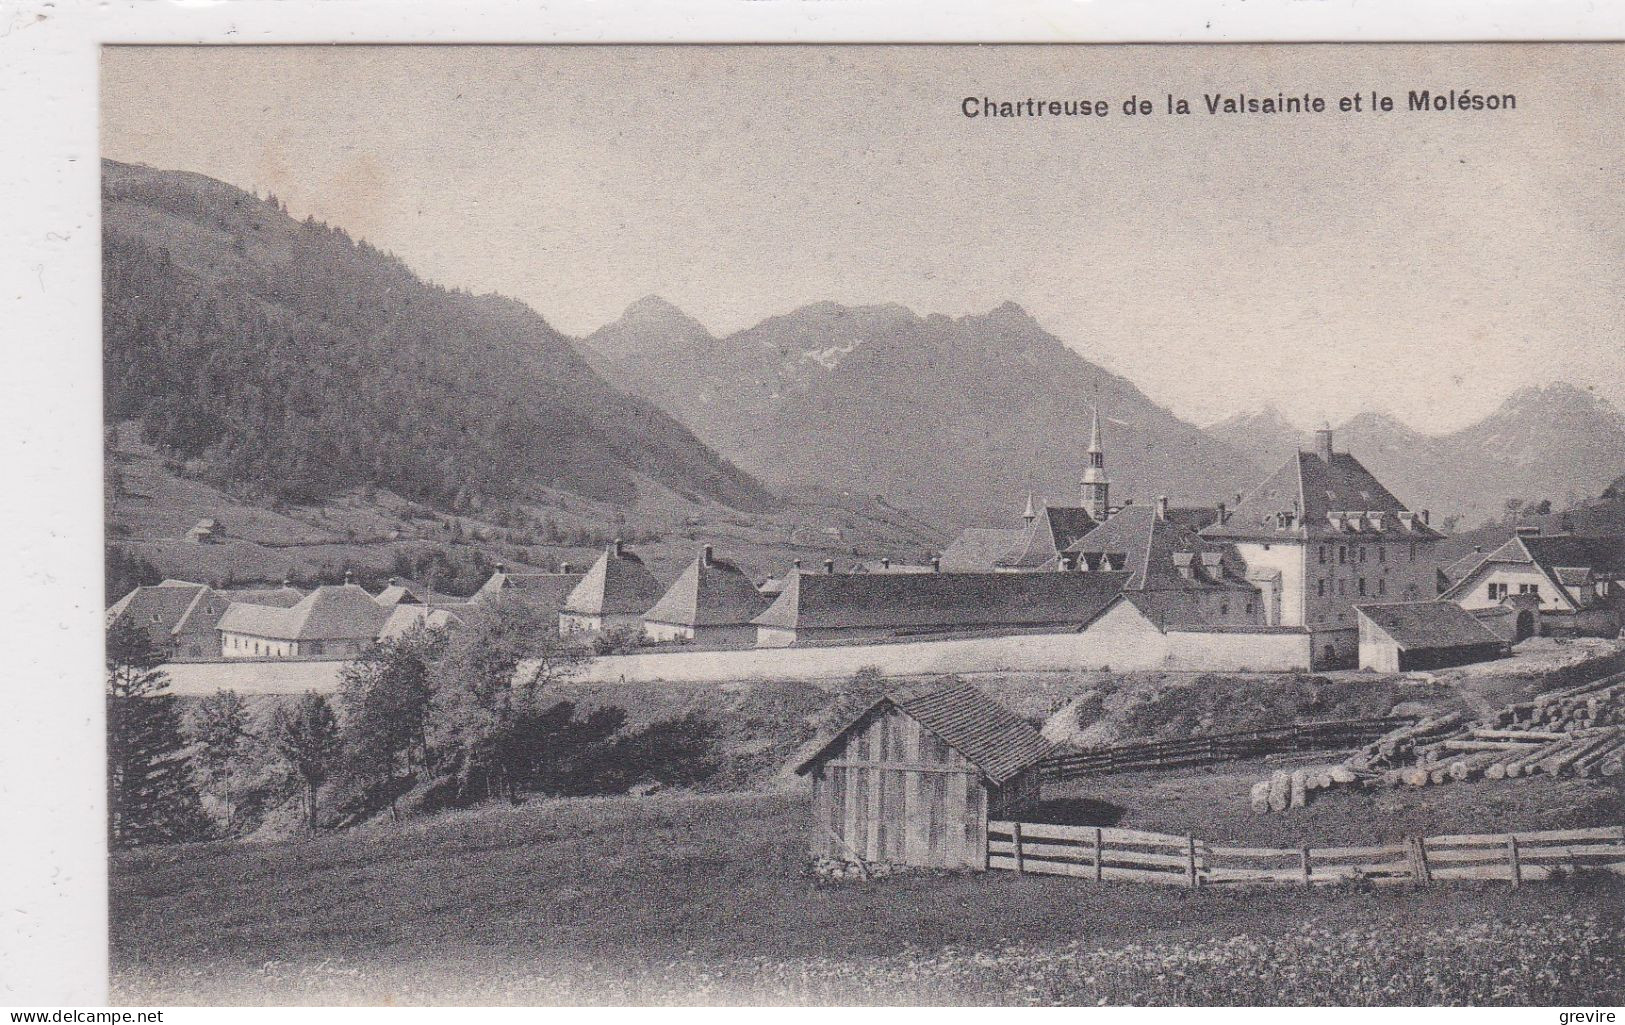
914 777
1399 637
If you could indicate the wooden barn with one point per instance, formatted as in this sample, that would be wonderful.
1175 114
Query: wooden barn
913 778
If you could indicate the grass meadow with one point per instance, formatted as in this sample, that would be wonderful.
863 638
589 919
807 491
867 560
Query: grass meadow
703 899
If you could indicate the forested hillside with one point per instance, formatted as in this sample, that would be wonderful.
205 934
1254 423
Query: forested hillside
291 358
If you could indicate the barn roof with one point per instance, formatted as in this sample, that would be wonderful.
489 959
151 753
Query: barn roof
1417 625
937 600
1571 561
168 609
709 592
990 736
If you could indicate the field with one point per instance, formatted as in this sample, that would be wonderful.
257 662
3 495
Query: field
703 899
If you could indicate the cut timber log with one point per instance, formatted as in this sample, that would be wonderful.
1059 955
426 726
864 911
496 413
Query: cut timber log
1260 797
1473 766
1280 791
1556 763
1344 773
1489 745
1525 765
1593 761
1297 798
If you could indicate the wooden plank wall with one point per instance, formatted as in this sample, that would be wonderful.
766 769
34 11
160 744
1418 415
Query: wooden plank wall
894 793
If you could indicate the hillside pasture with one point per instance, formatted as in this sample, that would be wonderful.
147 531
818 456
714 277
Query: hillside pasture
703 899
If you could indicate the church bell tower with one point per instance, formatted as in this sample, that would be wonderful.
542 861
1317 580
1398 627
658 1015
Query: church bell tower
1096 488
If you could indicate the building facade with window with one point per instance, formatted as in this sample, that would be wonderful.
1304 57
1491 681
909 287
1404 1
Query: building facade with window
1576 583
1329 536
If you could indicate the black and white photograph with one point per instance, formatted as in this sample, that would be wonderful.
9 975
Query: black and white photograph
801 525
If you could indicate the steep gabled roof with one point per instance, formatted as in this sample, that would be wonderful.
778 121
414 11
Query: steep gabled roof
1148 545
979 549
924 601
1563 558
986 733
1460 568
1052 531
711 592
547 588
1309 488
161 610
1428 624
617 584
333 612
403 619
281 597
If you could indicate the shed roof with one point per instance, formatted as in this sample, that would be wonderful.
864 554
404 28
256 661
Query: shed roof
990 736
709 592
1416 625
927 600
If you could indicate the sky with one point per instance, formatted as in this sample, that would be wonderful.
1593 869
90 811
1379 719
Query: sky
1420 264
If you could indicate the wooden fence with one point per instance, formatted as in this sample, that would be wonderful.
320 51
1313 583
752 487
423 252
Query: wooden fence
1102 853
1221 747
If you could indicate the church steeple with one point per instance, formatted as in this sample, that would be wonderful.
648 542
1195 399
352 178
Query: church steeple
1096 487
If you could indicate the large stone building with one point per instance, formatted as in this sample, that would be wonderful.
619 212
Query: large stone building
1322 535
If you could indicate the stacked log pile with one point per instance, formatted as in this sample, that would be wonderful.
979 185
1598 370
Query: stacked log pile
1579 731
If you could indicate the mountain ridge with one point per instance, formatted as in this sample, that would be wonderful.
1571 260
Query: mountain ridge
957 415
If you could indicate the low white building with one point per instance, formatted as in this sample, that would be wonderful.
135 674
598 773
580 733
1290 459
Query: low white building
336 621
615 593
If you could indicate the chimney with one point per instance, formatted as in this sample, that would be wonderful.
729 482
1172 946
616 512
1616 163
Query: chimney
829 566
1424 517
885 562
796 564
1162 507
616 548
705 555
1221 513
394 581
936 564
565 567
1323 445
349 578
501 568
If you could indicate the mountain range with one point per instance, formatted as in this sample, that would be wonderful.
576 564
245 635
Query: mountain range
1556 443
287 358
952 417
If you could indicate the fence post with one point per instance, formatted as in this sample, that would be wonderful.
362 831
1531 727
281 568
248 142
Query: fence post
1514 866
1190 860
1015 844
1100 853
1303 859
1420 872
